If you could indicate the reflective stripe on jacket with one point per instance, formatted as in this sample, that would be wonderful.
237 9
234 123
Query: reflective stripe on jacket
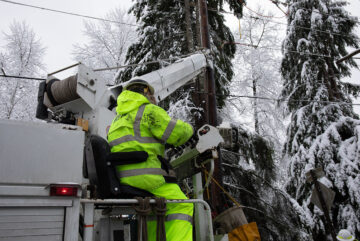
142 126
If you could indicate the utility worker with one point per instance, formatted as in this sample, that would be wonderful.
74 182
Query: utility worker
140 125
345 235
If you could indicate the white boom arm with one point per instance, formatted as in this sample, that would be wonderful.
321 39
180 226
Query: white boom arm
93 99
165 81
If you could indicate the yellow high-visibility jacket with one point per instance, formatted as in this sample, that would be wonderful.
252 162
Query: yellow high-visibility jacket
142 126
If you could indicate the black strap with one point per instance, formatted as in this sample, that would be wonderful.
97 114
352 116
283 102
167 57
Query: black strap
124 158
160 212
165 165
143 209
49 93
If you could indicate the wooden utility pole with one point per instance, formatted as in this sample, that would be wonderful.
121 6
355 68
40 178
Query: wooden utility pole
216 201
211 116
189 34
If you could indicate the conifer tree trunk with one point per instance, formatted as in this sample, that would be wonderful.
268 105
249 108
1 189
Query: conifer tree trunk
256 118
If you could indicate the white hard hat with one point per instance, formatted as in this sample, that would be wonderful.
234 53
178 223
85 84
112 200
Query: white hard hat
139 82
345 235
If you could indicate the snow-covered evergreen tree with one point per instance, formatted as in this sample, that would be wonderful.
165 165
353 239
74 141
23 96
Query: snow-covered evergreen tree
249 175
324 131
107 42
21 56
162 34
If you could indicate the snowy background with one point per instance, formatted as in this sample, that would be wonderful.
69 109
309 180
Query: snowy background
59 32
338 139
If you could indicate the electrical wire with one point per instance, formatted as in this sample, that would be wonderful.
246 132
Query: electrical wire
145 63
271 48
278 49
103 69
21 77
300 27
281 99
243 3
285 24
68 13
216 182
125 66
284 100
240 205
324 14
107 20
255 175
277 5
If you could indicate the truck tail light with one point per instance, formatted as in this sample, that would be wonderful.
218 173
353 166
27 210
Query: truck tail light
63 190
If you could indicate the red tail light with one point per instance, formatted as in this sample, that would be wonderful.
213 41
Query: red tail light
63 190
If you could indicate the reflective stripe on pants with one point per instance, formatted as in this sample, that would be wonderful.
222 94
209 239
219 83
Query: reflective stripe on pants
176 229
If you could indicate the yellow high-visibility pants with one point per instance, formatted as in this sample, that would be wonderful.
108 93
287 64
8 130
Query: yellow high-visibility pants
178 228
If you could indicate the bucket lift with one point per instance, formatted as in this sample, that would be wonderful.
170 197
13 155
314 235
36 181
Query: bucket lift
85 101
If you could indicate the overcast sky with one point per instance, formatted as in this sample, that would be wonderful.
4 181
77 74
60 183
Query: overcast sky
58 32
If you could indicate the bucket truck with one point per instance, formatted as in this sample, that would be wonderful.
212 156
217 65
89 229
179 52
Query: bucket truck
54 184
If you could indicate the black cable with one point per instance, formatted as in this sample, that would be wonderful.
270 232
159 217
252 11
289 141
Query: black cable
269 20
21 77
280 100
68 13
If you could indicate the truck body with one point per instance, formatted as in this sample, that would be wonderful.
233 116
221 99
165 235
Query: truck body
35 156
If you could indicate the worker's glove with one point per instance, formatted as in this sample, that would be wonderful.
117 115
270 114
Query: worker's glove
165 164
168 146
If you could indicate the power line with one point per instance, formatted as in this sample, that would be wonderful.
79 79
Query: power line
103 69
285 100
270 48
300 27
243 3
281 99
324 14
145 63
68 13
21 77
285 24
276 2
80 15
279 49
253 11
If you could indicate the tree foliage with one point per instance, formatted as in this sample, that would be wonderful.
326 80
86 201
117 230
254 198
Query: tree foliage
107 42
21 56
249 176
323 131
257 75
162 34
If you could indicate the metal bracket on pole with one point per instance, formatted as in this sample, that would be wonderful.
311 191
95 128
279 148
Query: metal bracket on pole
315 174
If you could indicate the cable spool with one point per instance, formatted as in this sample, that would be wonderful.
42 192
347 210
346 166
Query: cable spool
62 91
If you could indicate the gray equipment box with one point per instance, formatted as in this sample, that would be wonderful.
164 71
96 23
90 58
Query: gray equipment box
40 153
